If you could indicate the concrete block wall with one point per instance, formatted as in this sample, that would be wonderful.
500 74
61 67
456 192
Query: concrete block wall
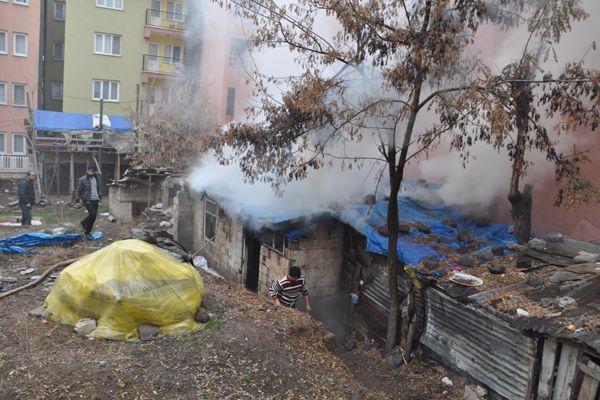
273 266
121 200
185 213
225 252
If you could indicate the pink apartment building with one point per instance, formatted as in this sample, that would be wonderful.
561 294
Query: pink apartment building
19 60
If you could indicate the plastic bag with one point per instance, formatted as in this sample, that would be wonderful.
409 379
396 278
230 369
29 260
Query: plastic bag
124 285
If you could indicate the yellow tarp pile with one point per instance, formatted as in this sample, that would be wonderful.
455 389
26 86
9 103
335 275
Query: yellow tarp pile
124 285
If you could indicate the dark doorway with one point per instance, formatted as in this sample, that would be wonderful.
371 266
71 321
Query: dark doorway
252 260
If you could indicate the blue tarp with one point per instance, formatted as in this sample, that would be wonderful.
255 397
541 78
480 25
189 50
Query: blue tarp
22 243
66 122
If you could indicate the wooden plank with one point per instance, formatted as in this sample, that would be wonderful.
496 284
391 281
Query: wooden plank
591 381
567 371
547 371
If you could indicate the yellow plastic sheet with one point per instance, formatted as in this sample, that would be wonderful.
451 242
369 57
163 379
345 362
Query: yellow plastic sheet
124 285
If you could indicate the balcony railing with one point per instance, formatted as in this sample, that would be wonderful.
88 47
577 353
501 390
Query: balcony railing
160 65
165 19
14 163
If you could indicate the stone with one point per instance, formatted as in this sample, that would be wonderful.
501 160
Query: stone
450 222
330 342
421 227
535 281
537 244
474 393
202 316
404 229
523 262
84 326
59 231
555 238
164 224
585 268
102 363
148 332
38 312
349 344
110 218
27 271
486 255
466 260
463 235
497 269
585 257
564 276
565 302
512 246
394 361
498 250
7 279
431 263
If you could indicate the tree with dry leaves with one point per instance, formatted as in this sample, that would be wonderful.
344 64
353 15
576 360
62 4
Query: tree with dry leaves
170 135
387 67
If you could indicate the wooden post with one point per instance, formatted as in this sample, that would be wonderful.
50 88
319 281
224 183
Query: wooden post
71 174
118 167
567 371
149 185
547 368
591 381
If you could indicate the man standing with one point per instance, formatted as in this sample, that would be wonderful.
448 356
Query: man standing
88 191
26 197
286 290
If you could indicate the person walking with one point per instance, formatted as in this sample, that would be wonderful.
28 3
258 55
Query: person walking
88 191
285 291
26 197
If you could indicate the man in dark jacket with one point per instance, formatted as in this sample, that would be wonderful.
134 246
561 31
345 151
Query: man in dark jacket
26 197
88 192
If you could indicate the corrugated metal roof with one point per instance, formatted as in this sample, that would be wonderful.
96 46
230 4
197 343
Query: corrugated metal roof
480 344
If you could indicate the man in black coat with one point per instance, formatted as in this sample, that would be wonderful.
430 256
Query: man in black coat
88 191
26 197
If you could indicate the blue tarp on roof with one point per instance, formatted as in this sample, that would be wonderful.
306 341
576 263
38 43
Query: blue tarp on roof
19 243
65 122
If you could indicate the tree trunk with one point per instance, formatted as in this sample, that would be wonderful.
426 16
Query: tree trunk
392 258
521 213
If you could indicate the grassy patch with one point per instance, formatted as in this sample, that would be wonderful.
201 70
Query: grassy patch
5 357
214 324
53 215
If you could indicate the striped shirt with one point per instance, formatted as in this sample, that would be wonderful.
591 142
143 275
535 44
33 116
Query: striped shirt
287 291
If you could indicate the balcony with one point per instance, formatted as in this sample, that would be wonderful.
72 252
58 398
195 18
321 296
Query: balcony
14 163
163 23
159 67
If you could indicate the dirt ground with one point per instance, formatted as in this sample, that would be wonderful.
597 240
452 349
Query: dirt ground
249 350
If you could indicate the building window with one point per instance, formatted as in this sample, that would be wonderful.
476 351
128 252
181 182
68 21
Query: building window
3 95
210 219
174 11
172 54
114 4
21 2
20 44
237 47
107 44
166 95
151 94
19 144
2 143
19 95
107 90
274 240
57 90
230 102
3 42
58 50
59 11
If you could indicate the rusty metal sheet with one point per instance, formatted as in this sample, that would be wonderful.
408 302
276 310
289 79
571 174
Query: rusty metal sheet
480 344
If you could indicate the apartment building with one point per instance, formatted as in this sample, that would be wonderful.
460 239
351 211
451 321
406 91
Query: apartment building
19 52
121 51
52 42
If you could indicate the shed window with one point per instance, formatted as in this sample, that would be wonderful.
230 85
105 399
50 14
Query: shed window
210 219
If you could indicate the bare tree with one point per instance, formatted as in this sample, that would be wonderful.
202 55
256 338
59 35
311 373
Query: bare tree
171 134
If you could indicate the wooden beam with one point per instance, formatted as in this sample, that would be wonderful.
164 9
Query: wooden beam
71 174
567 372
547 371
591 381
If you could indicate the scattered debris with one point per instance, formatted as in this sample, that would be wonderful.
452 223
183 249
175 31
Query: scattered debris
537 244
110 218
38 312
446 381
564 276
565 302
522 313
59 231
102 363
498 250
7 279
585 257
202 316
555 238
84 326
27 271
587 268
523 262
395 360
421 227
534 280
349 344
475 393
497 269
330 341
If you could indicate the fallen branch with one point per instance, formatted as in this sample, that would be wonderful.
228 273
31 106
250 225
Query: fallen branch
41 278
